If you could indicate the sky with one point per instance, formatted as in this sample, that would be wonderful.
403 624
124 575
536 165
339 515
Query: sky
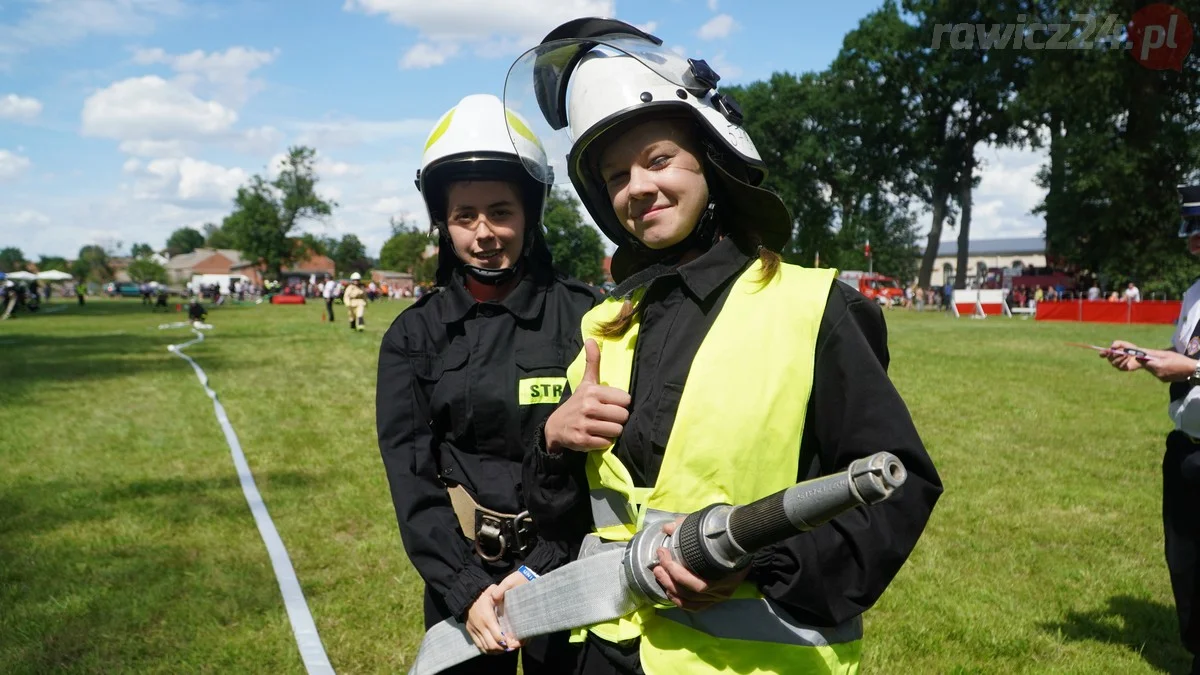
123 120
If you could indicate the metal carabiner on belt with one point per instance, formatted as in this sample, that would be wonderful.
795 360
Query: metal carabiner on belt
491 528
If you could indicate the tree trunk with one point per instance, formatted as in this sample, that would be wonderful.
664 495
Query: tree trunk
964 230
935 236
1055 187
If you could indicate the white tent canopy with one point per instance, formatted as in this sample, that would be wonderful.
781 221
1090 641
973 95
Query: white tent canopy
22 276
54 275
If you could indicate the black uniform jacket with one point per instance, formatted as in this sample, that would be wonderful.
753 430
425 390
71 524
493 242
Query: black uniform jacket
447 412
824 576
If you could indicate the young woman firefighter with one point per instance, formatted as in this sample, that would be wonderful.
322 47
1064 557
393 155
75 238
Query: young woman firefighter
712 373
466 377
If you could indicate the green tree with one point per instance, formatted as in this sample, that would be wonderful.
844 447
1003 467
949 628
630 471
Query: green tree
141 251
184 240
350 255
318 245
265 212
11 259
92 264
1120 138
840 151
967 99
145 269
403 250
217 237
576 246
52 262
426 270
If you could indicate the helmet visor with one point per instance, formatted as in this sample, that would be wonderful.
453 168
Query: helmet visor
537 83
1189 225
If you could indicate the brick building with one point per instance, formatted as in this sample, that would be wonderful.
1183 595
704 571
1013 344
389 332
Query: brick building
202 261
318 266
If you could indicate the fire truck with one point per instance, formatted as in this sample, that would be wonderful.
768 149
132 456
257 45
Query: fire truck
882 289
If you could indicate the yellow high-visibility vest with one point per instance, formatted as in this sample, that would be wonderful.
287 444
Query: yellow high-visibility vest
735 439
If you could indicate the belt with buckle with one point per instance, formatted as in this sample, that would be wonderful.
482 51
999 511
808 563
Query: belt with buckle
496 535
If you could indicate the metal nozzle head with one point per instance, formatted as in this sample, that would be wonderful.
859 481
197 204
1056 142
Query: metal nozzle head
875 478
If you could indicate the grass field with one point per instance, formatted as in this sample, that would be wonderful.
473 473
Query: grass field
126 544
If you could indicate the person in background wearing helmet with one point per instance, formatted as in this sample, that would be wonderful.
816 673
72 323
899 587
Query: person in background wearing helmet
355 300
468 373
1179 366
713 373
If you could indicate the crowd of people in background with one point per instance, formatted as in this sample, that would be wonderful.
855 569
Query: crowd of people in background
1020 296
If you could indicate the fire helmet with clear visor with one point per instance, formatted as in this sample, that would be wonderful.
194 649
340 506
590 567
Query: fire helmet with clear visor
590 78
1189 224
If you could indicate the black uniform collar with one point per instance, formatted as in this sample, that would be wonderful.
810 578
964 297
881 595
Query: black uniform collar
704 275
525 301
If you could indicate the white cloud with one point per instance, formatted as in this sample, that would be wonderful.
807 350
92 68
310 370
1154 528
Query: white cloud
226 75
24 218
185 180
330 168
50 23
428 55
258 141
12 165
350 132
152 108
15 107
491 28
77 221
147 148
1007 192
648 27
712 5
725 69
719 26
388 206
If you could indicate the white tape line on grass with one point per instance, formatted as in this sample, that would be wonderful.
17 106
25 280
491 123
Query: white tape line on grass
312 652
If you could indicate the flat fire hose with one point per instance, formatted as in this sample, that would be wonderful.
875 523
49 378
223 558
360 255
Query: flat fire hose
713 542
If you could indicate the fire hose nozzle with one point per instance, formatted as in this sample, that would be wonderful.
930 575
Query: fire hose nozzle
719 539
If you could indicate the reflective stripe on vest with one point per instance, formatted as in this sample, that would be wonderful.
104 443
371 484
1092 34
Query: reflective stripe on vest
764 621
736 438
611 509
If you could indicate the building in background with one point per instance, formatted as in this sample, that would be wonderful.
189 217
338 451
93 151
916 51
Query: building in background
402 281
202 261
989 261
311 268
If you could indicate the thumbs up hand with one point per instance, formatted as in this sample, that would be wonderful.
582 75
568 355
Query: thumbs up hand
593 416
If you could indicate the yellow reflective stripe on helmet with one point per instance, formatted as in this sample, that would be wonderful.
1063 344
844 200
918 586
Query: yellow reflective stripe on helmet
440 129
523 131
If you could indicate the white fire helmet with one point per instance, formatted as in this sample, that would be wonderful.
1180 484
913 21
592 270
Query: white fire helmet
590 76
472 142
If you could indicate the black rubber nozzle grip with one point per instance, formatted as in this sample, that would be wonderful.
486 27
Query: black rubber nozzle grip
760 523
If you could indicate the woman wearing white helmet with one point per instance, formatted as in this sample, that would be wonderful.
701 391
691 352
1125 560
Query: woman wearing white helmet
714 373
355 299
469 373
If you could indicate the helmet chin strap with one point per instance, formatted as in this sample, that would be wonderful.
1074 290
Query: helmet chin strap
701 237
494 277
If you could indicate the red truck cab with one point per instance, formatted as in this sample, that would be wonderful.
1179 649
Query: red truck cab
882 289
